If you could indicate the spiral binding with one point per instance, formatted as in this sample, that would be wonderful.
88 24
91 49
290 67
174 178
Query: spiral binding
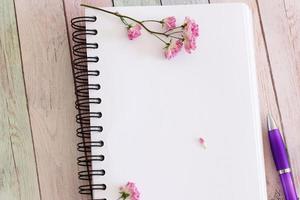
83 102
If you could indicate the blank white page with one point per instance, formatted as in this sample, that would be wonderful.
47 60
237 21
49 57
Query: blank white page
154 110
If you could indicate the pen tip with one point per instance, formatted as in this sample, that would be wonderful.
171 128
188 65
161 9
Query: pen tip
271 123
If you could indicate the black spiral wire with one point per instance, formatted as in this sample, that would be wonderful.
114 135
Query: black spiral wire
83 102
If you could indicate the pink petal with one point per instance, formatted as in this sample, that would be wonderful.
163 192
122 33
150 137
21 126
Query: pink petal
202 142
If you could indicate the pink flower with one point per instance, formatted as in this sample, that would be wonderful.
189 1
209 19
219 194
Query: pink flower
134 31
191 28
129 191
189 44
173 48
169 23
190 34
203 142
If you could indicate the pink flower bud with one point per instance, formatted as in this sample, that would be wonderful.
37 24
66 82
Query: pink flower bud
203 142
169 23
130 192
173 48
190 34
134 31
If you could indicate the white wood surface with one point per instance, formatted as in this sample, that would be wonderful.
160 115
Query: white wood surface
18 174
50 95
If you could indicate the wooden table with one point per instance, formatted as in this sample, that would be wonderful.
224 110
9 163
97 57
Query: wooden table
37 138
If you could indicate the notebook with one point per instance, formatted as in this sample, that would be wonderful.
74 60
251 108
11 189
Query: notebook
141 116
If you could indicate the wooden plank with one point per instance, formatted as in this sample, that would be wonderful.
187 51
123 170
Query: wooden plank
136 2
267 96
281 22
49 85
73 9
18 175
182 2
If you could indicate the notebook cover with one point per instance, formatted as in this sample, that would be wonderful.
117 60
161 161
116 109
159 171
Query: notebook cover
154 110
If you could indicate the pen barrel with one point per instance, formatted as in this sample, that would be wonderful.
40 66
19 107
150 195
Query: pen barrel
288 186
278 149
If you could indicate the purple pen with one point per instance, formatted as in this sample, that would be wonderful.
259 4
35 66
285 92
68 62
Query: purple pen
281 160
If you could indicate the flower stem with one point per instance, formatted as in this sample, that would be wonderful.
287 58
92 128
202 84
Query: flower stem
166 43
123 17
179 38
124 21
167 32
152 20
172 33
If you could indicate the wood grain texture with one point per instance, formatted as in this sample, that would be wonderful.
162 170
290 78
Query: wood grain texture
267 95
73 9
281 25
136 2
18 175
49 85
